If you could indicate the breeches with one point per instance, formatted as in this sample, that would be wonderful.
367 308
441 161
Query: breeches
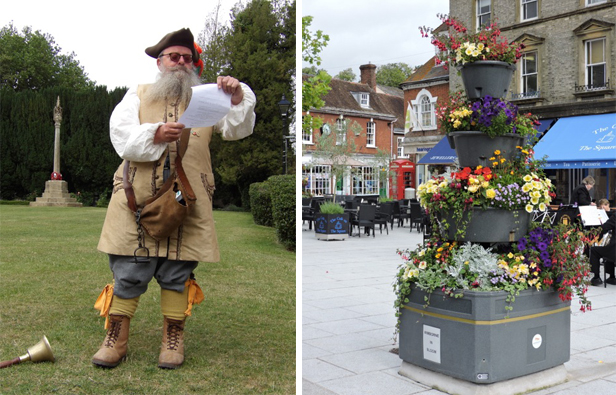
132 279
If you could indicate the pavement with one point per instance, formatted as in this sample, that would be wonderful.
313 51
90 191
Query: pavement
348 322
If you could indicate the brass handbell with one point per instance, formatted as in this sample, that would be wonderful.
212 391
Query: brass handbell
39 352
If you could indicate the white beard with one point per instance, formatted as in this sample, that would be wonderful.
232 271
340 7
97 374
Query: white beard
173 84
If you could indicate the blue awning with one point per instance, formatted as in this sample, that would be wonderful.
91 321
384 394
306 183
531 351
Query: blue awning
544 125
583 142
440 154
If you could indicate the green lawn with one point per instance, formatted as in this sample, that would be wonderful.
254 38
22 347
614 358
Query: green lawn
240 340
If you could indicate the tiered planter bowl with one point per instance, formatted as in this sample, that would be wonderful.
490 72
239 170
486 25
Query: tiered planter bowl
486 78
476 148
490 225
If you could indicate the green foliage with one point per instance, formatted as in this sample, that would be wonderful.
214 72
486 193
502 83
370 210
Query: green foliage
393 74
240 340
262 39
27 134
314 87
346 75
331 208
261 203
283 208
31 60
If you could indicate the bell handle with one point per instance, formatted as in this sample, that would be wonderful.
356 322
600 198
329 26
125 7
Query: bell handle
6 364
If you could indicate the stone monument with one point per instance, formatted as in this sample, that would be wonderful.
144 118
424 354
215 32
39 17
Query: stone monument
56 190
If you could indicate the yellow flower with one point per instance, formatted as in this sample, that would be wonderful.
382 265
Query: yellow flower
492 158
466 262
497 152
494 164
510 255
529 208
490 193
503 160
527 178
485 184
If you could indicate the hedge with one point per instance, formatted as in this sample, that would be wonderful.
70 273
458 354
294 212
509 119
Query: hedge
261 203
282 190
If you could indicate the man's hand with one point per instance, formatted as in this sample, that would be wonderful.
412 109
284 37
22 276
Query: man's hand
168 132
231 85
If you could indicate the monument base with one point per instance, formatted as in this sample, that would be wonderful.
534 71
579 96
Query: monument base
56 194
451 385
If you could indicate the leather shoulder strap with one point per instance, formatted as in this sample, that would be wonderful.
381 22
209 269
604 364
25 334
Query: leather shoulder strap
128 187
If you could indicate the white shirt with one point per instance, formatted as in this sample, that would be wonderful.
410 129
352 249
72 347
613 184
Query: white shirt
134 141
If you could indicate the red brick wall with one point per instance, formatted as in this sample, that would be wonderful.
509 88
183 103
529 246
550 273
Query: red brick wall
383 133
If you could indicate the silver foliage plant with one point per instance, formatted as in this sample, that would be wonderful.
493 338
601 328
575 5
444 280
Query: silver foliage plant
473 258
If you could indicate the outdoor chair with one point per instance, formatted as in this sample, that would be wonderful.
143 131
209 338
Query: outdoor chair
403 212
309 215
383 216
416 216
365 218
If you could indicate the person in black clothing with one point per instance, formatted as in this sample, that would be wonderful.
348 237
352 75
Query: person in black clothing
607 252
581 194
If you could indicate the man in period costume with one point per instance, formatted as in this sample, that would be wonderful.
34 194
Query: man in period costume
145 131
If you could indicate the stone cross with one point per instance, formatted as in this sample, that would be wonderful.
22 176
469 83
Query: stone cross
57 117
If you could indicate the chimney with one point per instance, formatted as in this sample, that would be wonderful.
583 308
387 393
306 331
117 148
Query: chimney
368 75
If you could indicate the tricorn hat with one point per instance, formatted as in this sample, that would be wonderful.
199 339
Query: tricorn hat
182 37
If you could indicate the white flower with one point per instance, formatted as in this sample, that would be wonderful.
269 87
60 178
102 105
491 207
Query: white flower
423 265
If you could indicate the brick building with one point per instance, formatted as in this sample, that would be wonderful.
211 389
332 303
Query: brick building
422 90
568 70
371 117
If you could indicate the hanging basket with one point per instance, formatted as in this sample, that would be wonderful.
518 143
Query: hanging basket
486 78
476 148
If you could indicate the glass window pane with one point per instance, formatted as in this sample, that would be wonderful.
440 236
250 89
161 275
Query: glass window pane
596 51
531 83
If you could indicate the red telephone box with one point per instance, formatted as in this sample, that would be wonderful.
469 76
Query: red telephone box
403 177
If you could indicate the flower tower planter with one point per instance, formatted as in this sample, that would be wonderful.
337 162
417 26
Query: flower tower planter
475 339
486 78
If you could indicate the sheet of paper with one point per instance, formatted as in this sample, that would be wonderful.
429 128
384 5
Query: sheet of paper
207 106
592 216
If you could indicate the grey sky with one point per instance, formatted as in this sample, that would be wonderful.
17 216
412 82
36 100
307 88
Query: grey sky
377 32
109 37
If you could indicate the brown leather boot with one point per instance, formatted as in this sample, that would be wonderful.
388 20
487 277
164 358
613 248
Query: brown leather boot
113 349
172 349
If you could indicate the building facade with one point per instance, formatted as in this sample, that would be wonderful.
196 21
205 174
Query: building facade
568 68
361 122
428 85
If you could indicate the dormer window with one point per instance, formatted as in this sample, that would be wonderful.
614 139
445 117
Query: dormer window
363 98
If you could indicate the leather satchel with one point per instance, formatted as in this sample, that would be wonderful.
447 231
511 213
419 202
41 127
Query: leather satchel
163 213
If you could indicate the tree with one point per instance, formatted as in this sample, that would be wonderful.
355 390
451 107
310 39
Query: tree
393 74
314 88
346 75
32 61
262 42
212 40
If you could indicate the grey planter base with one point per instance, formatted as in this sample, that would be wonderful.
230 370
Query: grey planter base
471 339
521 385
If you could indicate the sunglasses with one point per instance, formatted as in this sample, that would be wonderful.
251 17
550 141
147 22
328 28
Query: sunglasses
175 57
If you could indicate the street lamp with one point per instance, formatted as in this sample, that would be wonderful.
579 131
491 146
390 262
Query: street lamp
284 105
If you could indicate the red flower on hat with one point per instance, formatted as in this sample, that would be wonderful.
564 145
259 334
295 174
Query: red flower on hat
198 63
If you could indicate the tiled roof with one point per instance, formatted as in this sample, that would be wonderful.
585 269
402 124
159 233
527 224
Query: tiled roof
428 71
339 99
